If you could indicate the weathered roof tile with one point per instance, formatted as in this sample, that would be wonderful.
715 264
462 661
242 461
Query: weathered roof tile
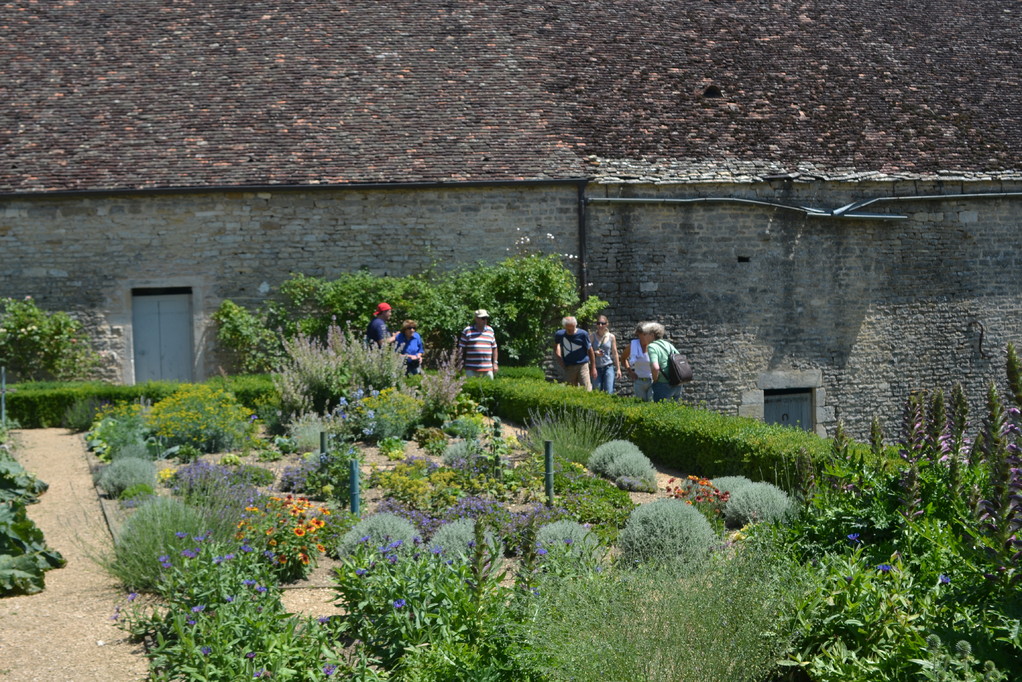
112 94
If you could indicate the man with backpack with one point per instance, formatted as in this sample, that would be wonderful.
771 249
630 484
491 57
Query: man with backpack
661 352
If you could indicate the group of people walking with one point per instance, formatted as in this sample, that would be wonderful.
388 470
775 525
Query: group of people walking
593 360
587 359
477 345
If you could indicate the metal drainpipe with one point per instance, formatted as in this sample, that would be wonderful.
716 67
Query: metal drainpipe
583 265
844 212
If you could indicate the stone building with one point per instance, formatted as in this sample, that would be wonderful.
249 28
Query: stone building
821 202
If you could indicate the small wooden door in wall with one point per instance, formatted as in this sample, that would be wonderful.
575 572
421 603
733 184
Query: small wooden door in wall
161 321
789 407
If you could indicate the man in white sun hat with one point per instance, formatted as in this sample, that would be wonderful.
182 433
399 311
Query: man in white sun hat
477 347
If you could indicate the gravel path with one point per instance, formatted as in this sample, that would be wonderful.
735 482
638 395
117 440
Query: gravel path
65 632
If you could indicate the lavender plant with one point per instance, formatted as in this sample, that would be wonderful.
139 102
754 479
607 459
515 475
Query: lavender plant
312 376
439 391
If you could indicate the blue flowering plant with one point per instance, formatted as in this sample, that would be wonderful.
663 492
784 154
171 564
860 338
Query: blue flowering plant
220 618
396 600
322 475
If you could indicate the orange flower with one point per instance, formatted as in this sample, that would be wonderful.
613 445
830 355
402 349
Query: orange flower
299 531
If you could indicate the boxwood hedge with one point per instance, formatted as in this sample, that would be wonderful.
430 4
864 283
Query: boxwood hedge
674 435
43 404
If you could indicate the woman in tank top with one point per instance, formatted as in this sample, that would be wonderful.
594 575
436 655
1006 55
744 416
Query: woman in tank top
608 364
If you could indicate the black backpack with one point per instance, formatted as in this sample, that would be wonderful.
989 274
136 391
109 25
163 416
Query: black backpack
678 370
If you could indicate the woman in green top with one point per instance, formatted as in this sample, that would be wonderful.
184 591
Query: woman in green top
659 351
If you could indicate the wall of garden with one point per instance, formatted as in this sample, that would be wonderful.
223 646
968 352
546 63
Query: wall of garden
858 312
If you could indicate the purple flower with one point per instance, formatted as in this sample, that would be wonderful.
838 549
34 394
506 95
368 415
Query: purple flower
944 580
198 609
261 588
329 669
132 596
360 571
399 603
885 568
250 654
189 553
248 582
853 538
541 551
181 535
205 650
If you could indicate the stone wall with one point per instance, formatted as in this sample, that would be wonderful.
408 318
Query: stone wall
86 254
860 312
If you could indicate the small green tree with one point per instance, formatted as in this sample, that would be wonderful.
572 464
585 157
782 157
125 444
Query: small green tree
38 345
526 296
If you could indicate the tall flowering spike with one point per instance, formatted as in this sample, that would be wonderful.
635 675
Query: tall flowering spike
914 443
958 424
911 495
839 445
1000 513
936 424
1014 371
876 438
994 439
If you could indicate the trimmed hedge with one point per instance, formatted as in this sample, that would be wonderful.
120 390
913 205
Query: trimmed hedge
671 434
43 404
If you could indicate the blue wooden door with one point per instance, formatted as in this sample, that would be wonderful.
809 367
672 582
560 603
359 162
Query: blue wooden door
162 337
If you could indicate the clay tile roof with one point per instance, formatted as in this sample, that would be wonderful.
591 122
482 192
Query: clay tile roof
129 94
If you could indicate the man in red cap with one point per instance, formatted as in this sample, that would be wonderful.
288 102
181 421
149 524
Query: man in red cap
377 331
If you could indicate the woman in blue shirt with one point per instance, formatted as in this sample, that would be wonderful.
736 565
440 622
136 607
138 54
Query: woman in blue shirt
408 343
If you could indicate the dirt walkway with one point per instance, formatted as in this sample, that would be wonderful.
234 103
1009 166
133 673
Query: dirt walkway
65 632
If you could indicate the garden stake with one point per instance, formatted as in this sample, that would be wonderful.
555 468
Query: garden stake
3 397
322 443
353 483
548 464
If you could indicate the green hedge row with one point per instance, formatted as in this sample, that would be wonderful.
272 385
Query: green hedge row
43 404
677 436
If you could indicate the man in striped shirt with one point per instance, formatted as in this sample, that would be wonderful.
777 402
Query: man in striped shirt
478 347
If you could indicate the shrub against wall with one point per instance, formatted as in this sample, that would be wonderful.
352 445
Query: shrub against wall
525 295
37 345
